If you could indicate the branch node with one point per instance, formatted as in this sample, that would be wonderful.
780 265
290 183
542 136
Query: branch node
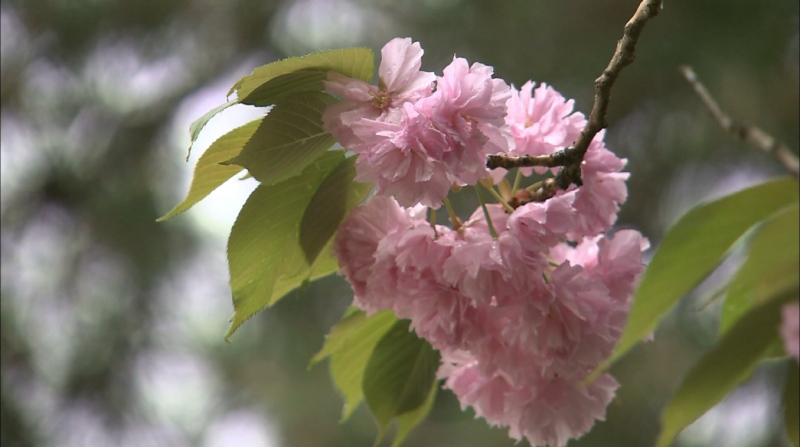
570 158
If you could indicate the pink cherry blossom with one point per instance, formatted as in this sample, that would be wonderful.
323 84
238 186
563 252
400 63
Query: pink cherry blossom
790 329
541 121
597 200
359 235
546 411
401 81
469 105
523 314
558 410
539 226
404 160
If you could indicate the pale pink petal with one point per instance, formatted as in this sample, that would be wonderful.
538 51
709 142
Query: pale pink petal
790 329
358 237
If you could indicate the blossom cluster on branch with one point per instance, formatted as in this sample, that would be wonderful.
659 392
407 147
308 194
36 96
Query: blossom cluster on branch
523 300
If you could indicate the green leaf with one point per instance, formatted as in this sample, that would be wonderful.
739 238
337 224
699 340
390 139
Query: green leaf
263 247
350 345
200 123
407 421
356 62
692 248
337 195
209 174
791 403
323 266
289 138
399 374
725 366
771 267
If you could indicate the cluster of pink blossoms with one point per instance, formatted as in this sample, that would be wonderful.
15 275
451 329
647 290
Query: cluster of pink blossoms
522 316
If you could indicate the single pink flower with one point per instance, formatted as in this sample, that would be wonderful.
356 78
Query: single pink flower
620 262
541 121
404 160
401 81
546 411
357 238
469 105
539 226
558 410
597 200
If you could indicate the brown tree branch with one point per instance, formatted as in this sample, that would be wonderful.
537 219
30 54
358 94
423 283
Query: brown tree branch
745 132
571 157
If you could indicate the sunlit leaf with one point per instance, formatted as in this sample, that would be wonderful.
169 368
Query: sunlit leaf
323 266
693 247
209 174
356 62
349 345
772 266
288 139
728 364
337 195
791 403
263 246
200 123
399 374
407 421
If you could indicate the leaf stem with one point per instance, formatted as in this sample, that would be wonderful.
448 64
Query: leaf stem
535 186
486 213
454 220
517 179
432 220
499 198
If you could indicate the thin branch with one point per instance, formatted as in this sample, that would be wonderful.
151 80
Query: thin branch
571 157
553 160
745 132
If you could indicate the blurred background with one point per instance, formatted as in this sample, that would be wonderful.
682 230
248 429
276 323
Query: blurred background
112 324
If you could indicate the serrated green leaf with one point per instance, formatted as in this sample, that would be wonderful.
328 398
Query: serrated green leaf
334 199
725 366
350 345
356 62
791 403
408 421
209 174
772 266
288 139
323 266
308 80
692 248
399 374
263 247
200 123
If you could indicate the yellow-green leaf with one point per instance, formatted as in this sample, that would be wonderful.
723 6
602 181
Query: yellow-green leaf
350 345
200 123
288 139
691 250
356 62
728 364
399 374
334 199
407 421
263 247
209 174
772 266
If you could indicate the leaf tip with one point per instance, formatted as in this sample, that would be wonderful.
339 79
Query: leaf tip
172 213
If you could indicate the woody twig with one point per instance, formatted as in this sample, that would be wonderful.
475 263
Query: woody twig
748 133
571 157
